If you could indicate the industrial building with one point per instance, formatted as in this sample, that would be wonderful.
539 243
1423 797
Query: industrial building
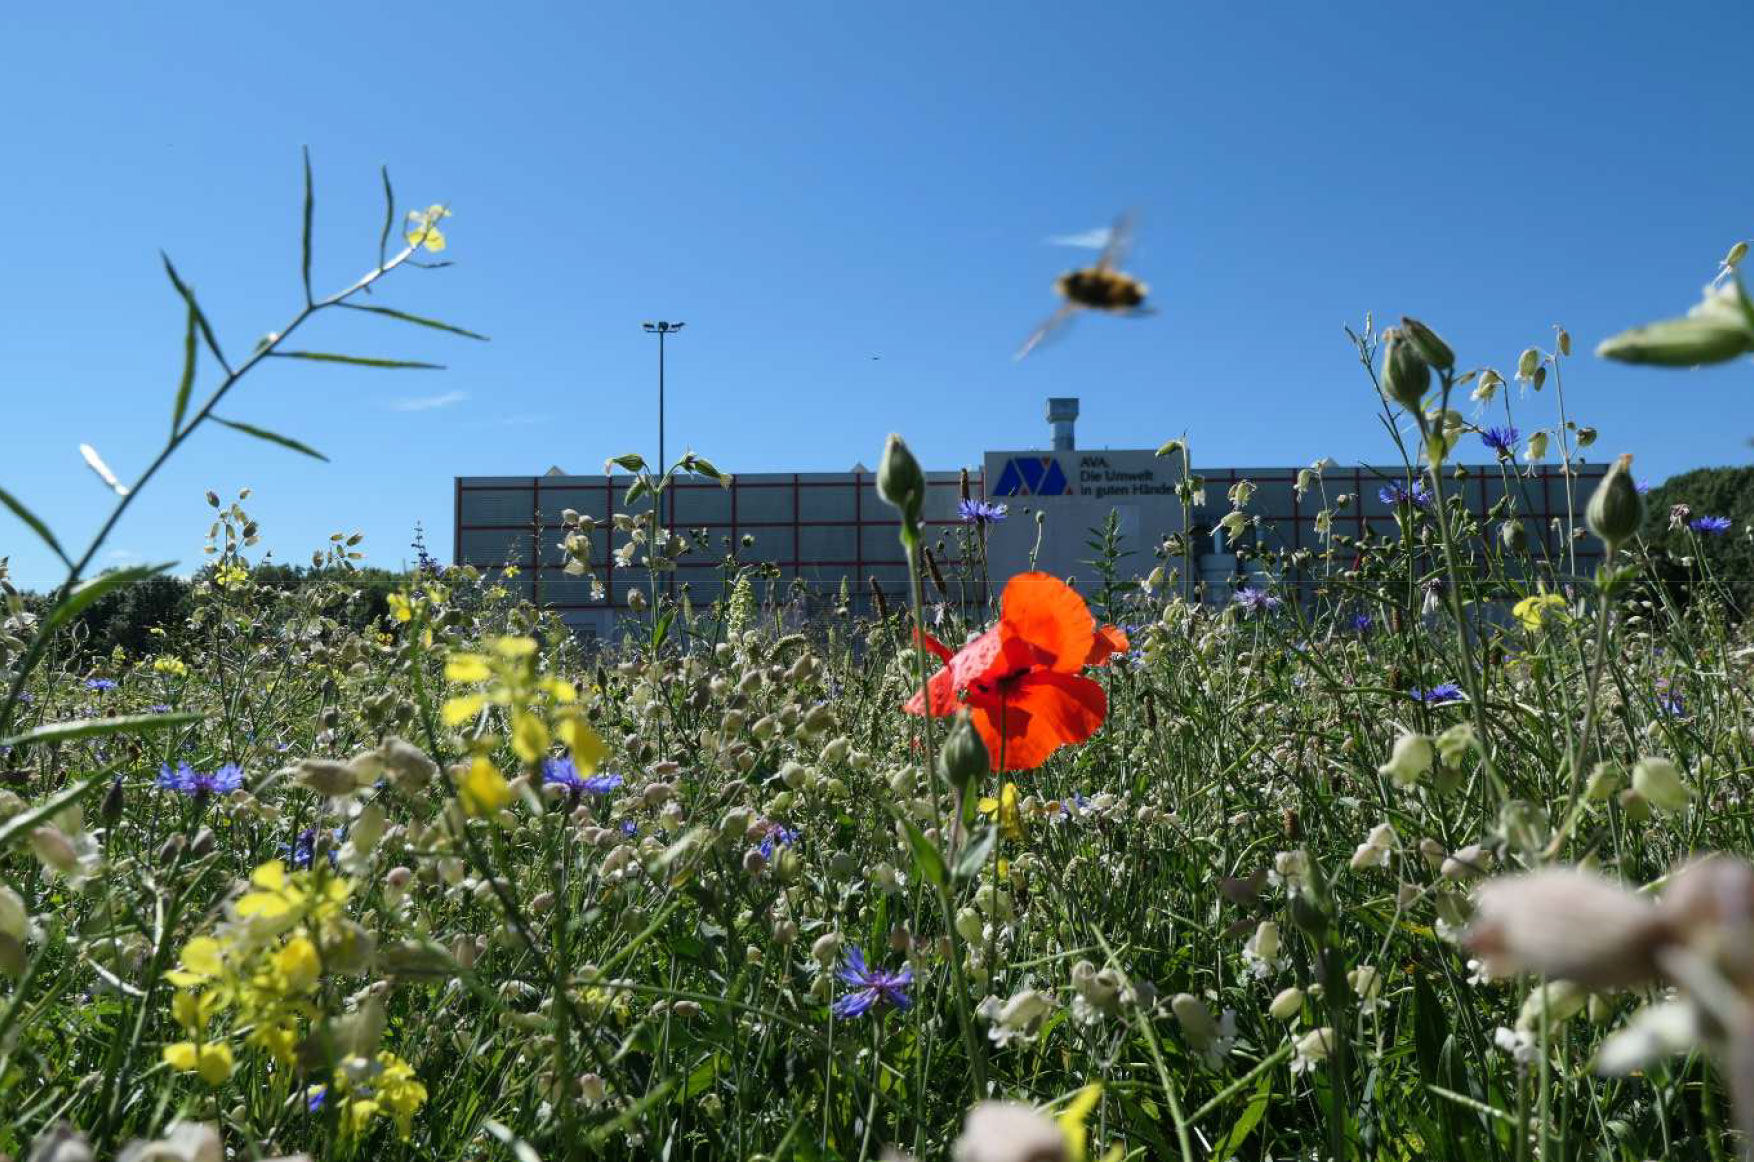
826 528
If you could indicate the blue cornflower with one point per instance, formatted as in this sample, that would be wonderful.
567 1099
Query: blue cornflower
1441 694
1501 440
303 849
777 833
99 684
1717 526
1669 701
319 1095
1394 494
871 986
1254 599
629 828
981 512
562 773
1361 622
1075 805
159 708
187 781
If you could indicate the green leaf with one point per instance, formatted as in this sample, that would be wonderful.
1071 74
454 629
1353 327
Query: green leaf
636 490
359 360
661 630
187 383
1245 1125
271 437
418 320
926 856
974 856
310 208
30 518
84 594
188 294
22 824
87 727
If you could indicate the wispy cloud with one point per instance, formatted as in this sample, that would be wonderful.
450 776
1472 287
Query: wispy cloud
427 403
521 419
1084 240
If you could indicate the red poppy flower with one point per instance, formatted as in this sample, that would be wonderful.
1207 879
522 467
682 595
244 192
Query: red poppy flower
1020 679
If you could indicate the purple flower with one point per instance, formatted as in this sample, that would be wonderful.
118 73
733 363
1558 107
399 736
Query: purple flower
99 684
629 828
319 1095
1394 494
1643 486
562 773
303 849
1254 599
1442 694
159 708
1361 622
780 834
1716 526
185 780
871 986
981 512
1501 440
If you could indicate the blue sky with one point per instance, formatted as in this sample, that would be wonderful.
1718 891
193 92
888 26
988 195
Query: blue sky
809 185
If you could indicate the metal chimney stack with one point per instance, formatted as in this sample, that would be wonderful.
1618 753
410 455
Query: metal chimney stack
1063 414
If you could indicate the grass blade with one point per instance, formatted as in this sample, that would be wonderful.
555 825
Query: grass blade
82 596
309 213
23 824
271 437
97 465
419 320
87 727
359 360
37 526
187 383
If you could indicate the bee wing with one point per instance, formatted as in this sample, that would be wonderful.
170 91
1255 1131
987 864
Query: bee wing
1120 240
1054 322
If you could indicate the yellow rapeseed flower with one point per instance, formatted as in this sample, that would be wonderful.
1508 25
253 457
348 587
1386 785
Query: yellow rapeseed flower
213 1062
423 227
1005 806
1532 611
483 790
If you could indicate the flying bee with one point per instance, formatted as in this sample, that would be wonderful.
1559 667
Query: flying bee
1100 287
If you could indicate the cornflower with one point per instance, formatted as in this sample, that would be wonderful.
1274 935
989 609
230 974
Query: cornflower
981 513
871 986
187 781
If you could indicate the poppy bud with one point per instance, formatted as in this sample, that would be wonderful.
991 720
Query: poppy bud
111 810
1616 510
965 756
1431 348
1405 374
901 483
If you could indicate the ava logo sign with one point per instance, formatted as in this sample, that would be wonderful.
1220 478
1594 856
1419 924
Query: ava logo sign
1032 476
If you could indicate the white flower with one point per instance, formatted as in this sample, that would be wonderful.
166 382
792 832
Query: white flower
1654 1032
1019 1019
1567 924
1261 953
1409 760
1520 1044
1003 1131
1311 1048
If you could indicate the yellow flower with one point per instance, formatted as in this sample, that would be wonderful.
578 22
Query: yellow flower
174 667
298 964
483 790
529 736
232 576
212 1062
1073 1118
467 668
460 710
1010 817
401 608
1532 611
587 746
423 228
513 648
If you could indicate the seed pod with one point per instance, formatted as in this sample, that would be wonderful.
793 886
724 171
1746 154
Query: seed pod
1616 510
1685 342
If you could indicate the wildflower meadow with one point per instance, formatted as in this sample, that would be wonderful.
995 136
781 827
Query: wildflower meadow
1439 850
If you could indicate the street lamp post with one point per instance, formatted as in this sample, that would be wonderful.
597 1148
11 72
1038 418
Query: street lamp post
661 330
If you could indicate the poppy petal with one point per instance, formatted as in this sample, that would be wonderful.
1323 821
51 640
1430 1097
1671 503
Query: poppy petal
1110 640
932 643
1055 709
1045 612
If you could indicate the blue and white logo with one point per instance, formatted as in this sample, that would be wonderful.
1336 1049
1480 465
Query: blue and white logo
1032 476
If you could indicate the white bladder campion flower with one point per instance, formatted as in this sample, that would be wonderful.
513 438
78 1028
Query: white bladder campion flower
1311 1049
1566 924
1019 1019
1211 1038
1409 760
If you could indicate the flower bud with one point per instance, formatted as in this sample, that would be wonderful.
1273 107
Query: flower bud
1431 348
1405 375
964 757
54 849
1660 784
1287 1005
826 950
1196 1021
1685 342
901 483
1513 535
1616 511
111 810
